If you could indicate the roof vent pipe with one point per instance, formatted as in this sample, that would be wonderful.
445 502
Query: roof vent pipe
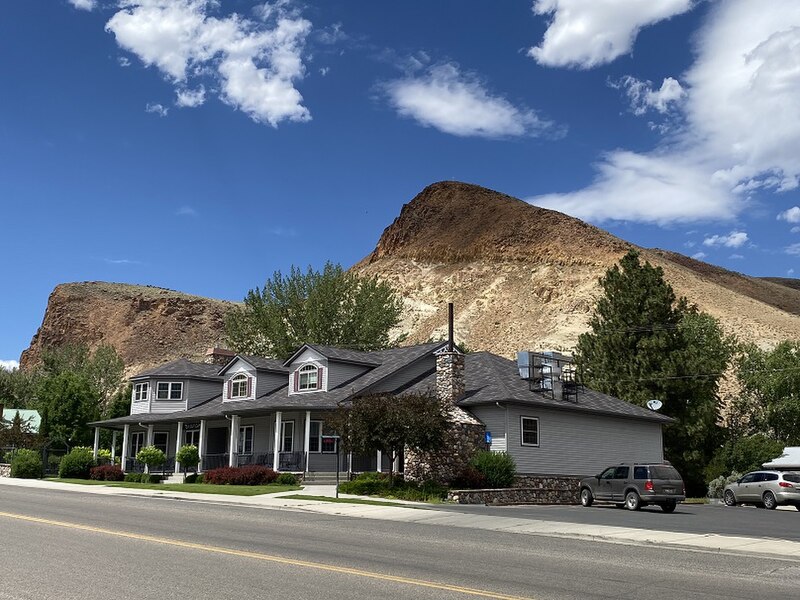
450 343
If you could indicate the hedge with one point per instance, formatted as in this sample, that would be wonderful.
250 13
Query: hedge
26 464
247 475
107 473
77 464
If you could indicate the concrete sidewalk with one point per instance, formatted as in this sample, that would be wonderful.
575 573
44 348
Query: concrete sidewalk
427 514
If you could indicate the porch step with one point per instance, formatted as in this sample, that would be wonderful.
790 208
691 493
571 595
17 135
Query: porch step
321 478
174 478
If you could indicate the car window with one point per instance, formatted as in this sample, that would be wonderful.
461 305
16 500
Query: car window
770 477
608 473
664 472
793 477
749 478
640 472
621 472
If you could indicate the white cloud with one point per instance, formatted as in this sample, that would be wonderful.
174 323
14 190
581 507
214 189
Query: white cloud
123 61
83 4
254 64
186 211
121 261
459 104
735 239
740 131
736 257
793 249
588 33
790 272
283 232
324 71
699 255
791 215
643 97
795 229
190 98
9 365
156 109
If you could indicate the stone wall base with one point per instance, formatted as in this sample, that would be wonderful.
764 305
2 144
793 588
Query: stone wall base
528 489
5 470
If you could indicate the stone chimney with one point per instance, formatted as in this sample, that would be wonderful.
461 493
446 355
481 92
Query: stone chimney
450 385
219 356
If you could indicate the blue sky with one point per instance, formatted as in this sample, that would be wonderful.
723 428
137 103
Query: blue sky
201 145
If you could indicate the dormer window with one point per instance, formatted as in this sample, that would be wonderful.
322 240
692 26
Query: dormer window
140 392
240 386
172 390
308 378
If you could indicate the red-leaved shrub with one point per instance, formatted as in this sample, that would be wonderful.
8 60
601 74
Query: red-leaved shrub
247 475
106 473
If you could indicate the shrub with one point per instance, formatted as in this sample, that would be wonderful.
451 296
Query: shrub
378 484
8 457
76 464
189 457
103 456
53 461
151 456
193 478
247 475
286 479
716 487
106 473
469 479
497 467
26 464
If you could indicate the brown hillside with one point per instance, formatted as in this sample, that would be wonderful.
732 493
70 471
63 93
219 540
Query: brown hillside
784 281
147 325
526 277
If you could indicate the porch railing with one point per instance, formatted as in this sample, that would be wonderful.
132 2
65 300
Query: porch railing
287 461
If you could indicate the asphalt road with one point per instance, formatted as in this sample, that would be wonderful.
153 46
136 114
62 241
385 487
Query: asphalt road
67 545
687 518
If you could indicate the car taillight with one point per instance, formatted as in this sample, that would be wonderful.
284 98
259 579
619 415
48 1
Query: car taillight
784 484
648 486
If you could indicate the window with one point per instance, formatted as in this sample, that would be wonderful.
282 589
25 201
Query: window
640 473
308 378
137 442
664 472
140 392
287 436
621 472
240 386
329 444
608 473
319 441
161 441
191 438
770 477
246 439
749 478
529 431
791 477
169 390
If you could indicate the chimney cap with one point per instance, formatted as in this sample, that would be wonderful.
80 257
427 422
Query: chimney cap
220 352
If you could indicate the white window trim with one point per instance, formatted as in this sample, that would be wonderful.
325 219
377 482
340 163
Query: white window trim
522 420
243 438
283 436
308 367
188 434
235 380
169 397
317 437
141 391
166 446
134 436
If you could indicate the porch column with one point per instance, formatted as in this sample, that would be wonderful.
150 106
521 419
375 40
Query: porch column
96 442
178 444
380 461
149 443
396 465
201 448
126 436
308 436
276 456
114 446
233 450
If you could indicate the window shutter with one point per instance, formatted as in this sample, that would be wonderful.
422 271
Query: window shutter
296 380
230 389
319 377
249 386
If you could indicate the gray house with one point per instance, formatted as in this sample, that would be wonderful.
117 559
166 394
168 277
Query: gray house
254 410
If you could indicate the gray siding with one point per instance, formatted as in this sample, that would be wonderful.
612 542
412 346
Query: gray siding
338 373
161 407
141 407
266 382
573 443
198 391
404 376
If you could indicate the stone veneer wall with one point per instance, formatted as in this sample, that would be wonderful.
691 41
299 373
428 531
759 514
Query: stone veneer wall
5 470
528 489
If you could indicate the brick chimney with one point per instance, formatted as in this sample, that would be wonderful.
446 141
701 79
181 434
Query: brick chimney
219 356
450 385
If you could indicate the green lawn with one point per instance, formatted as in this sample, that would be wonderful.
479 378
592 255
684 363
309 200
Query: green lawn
196 488
349 501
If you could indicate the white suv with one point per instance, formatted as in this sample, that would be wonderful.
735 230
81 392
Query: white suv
767 488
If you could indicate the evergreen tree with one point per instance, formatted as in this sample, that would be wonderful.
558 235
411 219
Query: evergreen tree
332 307
68 402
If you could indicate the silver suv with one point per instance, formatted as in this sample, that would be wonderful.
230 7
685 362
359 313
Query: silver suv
767 488
635 485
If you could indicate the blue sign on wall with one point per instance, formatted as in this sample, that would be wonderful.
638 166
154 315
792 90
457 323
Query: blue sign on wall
488 437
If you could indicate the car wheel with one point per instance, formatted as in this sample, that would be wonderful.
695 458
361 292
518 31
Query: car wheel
769 501
730 499
669 507
586 497
632 501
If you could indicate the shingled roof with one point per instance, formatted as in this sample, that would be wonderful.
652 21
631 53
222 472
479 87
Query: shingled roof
344 355
183 369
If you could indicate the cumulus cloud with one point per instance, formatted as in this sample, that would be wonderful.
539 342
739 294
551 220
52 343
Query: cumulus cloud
699 255
83 4
588 33
156 109
740 131
643 97
791 215
121 261
253 63
186 211
9 365
190 98
736 257
459 104
735 239
792 249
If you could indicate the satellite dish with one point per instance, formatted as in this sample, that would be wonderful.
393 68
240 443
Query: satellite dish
654 404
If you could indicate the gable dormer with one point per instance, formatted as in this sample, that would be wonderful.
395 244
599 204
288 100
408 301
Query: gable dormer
308 372
240 381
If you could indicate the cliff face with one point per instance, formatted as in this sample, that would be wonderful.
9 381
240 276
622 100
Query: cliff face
147 325
524 277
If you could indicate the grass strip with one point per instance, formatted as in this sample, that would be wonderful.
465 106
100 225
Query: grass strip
192 488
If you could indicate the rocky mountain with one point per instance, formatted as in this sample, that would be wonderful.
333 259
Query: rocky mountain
524 277
147 325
